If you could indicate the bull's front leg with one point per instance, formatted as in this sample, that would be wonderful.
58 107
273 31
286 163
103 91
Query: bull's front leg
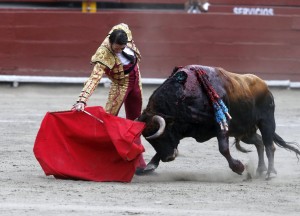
223 141
153 164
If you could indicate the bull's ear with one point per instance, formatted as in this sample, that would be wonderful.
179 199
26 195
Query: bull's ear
175 70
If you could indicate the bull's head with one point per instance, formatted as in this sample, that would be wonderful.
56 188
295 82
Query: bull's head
173 112
159 135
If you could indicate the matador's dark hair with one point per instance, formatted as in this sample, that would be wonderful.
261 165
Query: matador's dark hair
118 36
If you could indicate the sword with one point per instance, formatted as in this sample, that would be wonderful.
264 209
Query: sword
93 116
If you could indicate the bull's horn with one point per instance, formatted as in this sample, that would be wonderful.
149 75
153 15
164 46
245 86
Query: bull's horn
162 125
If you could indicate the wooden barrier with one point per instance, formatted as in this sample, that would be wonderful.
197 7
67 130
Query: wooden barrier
117 1
61 43
239 7
256 2
154 1
283 3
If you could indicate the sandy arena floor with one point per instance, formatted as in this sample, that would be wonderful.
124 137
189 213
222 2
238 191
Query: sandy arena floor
198 182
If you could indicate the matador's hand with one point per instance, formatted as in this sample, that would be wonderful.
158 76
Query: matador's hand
79 106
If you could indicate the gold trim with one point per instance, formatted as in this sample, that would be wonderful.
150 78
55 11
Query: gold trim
104 56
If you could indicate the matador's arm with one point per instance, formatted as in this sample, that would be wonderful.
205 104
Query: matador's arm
91 83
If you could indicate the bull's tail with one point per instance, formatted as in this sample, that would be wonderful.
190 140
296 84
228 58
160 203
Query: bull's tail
292 146
239 147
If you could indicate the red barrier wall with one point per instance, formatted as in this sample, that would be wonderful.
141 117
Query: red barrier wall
257 2
223 2
60 43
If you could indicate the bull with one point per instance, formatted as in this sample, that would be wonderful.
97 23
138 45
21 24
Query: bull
181 108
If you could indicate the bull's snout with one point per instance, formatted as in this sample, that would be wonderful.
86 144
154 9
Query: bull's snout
171 157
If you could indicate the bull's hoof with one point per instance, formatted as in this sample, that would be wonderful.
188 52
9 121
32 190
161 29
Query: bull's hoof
238 167
260 170
271 174
145 171
150 167
248 177
139 171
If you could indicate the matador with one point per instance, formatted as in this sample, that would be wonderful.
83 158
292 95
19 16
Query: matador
117 58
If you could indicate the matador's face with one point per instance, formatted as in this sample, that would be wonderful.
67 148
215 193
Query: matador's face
117 48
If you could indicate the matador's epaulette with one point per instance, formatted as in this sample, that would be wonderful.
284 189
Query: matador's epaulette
104 56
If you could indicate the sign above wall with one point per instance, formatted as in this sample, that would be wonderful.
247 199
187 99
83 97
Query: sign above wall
253 11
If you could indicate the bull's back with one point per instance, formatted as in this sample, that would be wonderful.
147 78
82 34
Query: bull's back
243 86
248 99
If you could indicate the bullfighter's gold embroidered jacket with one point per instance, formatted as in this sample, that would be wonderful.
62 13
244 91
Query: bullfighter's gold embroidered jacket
106 62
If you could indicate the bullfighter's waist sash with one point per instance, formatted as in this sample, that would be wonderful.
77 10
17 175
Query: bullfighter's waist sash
128 68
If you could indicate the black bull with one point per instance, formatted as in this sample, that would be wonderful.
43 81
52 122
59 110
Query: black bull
183 109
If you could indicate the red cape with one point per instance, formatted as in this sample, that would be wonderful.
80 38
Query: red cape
75 145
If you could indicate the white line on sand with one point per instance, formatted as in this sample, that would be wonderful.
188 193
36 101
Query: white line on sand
119 209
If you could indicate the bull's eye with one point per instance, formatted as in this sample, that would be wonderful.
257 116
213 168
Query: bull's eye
180 76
